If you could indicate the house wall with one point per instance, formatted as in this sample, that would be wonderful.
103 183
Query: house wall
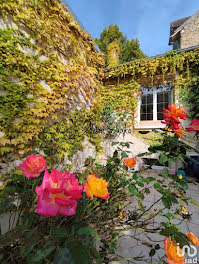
189 35
76 59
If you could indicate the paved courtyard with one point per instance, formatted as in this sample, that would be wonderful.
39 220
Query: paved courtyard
130 243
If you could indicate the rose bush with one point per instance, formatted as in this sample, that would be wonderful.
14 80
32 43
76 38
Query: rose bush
77 218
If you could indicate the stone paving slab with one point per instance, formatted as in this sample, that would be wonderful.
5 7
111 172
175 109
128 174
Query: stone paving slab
130 242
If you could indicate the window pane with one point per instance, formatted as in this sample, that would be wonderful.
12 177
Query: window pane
143 109
149 109
144 99
146 110
166 97
160 108
160 116
165 105
150 99
143 117
160 97
163 99
149 116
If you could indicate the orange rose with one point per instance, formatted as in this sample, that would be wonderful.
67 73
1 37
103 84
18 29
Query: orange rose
96 187
172 255
194 240
130 162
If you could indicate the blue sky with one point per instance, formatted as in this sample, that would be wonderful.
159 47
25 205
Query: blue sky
147 20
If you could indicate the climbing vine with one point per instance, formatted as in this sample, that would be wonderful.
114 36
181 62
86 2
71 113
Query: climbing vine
53 84
45 73
122 83
190 93
113 53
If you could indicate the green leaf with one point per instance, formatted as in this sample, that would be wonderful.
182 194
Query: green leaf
140 195
132 189
127 145
172 199
77 226
88 231
135 176
163 158
166 202
183 183
114 143
141 184
157 246
144 154
156 185
42 253
169 216
152 252
149 179
169 231
63 256
181 239
147 191
79 253
59 234
115 154
141 206
24 251
194 202
166 173
124 154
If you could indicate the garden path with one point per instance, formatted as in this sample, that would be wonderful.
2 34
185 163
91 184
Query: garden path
129 242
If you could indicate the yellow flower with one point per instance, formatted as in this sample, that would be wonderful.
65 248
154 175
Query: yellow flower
180 176
194 240
184 209
96 187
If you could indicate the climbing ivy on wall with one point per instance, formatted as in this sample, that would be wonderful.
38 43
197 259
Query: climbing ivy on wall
48 67
190 93
122 83
52 81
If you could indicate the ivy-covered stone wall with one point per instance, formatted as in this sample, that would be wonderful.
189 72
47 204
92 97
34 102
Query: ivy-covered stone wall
48 78
53 82
122 83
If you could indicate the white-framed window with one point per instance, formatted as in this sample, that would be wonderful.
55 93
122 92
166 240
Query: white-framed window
151 104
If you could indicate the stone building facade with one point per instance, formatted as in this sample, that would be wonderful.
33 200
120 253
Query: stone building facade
184 33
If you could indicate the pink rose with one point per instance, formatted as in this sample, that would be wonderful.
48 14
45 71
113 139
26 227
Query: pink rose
33 166
58 194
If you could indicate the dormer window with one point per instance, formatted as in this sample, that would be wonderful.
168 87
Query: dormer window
176 45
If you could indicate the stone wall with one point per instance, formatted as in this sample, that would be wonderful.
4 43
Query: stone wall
189 35
62 78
